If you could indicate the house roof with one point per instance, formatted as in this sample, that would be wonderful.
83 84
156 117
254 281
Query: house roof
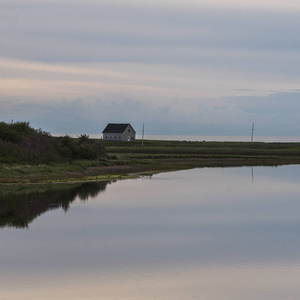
116 128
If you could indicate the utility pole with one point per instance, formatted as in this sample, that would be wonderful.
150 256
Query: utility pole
143 135
252 132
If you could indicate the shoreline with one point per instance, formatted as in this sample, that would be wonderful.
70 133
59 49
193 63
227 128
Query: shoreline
130 160
112 173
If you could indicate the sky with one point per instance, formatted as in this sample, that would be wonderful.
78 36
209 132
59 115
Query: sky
181 67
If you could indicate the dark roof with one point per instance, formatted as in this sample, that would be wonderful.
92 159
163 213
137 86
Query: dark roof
115 128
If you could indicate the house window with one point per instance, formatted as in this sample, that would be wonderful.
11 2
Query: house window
119 137
128 130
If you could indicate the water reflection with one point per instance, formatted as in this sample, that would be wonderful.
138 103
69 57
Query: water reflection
209 233
19 207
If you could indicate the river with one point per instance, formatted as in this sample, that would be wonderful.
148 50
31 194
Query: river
210 233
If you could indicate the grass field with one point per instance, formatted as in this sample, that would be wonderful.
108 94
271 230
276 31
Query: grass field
125 159
187 147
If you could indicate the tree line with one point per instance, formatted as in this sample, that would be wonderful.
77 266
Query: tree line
20 143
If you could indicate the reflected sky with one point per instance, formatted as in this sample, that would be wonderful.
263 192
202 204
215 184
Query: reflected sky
215 232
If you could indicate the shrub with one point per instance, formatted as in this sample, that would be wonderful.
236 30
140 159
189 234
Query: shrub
19 143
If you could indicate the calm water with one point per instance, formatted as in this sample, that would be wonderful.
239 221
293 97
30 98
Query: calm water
230 233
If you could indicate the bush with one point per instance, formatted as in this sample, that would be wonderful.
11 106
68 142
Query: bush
19 143
14 132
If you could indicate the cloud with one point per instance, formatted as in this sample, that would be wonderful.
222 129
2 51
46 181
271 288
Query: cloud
271 115
105 31
158 83
234 41
68 63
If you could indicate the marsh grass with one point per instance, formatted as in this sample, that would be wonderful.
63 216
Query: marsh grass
124 158
187 147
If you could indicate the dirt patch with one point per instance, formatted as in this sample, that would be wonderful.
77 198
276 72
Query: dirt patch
113 169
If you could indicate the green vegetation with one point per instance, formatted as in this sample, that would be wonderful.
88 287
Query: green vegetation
203 148
33 156
172 155
20 143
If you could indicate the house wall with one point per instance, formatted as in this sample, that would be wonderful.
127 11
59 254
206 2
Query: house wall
129 134
113 136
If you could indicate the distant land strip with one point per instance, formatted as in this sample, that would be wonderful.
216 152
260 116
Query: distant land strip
132 159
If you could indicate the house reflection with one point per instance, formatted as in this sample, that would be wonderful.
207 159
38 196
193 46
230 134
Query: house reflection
19 207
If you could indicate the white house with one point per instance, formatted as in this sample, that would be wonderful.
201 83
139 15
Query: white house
118 132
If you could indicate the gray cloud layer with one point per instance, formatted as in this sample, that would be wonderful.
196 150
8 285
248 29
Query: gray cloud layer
101 32
250 44
274 115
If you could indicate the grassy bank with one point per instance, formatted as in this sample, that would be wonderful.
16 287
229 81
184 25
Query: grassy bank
125 159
